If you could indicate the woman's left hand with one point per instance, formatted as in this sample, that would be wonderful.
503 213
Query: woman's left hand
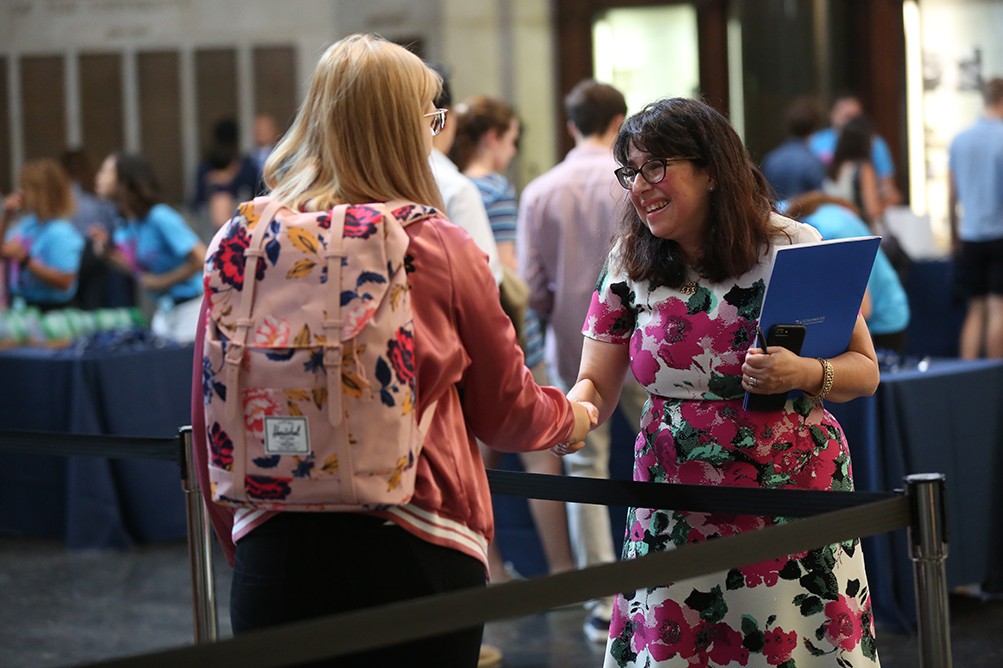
586 419
773 373
151 281
13 202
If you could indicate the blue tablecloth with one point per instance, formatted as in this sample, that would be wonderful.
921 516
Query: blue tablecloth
93 502
946 419
936 311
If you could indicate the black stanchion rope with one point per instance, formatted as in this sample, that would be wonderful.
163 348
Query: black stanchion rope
735 500
698 498
845 515
343 634
88 445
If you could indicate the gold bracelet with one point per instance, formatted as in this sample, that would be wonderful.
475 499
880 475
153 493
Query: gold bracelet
827 378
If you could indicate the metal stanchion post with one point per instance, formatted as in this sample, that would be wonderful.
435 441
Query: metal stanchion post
199 546
928 548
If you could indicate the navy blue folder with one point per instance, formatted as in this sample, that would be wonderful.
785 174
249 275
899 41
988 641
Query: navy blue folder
819 285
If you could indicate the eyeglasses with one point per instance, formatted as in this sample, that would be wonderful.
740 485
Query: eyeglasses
438 120
653 171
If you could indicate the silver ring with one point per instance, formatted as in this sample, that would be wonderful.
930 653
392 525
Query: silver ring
753 382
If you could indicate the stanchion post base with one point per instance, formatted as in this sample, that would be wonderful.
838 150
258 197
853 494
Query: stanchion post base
199 546
928 549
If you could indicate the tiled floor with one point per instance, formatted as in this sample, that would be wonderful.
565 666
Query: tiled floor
62 608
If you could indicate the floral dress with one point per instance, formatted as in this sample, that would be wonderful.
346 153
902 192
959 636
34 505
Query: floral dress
807 609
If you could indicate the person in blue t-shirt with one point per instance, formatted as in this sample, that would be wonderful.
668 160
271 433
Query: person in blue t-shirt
976 214
154 243
42 248
886 305
791 168
822 143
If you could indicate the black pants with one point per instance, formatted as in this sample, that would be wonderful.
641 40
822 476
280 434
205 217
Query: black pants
299 566
893 341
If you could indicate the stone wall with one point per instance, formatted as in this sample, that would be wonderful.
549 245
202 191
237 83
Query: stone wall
63 61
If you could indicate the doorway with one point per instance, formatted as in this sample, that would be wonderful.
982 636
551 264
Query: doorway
647 53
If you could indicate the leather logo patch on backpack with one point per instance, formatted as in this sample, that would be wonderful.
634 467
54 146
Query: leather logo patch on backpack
287 436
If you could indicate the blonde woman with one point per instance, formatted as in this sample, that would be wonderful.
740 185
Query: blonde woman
363 134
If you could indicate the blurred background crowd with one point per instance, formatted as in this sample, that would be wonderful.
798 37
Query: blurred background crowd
194 97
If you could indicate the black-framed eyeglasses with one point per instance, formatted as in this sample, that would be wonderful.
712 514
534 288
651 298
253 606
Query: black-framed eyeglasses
438 120
653 171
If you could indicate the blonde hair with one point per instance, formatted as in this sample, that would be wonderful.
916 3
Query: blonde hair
360 135
46 189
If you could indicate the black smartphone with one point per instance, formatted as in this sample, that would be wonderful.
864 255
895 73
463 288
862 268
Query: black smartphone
785 336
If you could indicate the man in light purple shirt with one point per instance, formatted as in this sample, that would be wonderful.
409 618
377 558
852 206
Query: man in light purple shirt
567 219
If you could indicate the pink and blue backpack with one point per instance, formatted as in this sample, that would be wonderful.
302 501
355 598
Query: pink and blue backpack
308 362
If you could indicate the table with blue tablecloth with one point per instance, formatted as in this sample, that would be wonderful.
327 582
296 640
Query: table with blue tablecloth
936 309
941 416
94 502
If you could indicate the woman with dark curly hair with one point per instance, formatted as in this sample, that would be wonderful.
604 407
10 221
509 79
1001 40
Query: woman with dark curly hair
678 302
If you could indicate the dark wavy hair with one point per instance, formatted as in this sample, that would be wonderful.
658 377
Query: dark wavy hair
853 144
137 188
739 225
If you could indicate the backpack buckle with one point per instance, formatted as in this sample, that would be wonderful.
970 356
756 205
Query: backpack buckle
332 356
234 353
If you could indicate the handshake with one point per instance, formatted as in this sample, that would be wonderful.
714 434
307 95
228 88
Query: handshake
586 419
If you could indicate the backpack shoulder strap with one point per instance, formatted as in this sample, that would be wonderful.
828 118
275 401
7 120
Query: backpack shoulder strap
253 253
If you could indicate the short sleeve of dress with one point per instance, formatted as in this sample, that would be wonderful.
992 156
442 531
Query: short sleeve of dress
611 315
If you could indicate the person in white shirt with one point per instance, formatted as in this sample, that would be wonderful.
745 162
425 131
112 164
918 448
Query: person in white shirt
464 206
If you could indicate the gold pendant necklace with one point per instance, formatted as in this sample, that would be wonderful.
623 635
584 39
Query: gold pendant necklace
688 288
